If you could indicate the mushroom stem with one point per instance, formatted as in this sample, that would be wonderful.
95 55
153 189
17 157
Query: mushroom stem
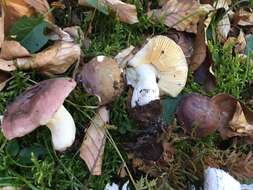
146 89
63 129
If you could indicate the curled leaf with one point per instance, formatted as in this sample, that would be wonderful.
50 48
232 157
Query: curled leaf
92 148
56 59
200 49
236 118
12 50
182 15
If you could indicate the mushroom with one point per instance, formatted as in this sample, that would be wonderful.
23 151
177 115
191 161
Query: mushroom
103 78
198 115
42 105
220 180
162 60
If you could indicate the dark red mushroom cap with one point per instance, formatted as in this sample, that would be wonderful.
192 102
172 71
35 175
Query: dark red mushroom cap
35 107
198 115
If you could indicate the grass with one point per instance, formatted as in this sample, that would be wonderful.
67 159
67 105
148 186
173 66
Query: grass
31 161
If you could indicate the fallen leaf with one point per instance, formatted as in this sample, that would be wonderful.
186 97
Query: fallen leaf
169 107
240 43
198 115
56 59
204 76
42 7
29 31
182 15
244 18
236 118
199 49
239 123
1 25
223 28
15 9
124 56
12 50
222 4
126 12
4 79
185 41
92 148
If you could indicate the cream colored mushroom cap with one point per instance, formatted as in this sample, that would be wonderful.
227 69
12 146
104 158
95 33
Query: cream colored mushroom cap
168 59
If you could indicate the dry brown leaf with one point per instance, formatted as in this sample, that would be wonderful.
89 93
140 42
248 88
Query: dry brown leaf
182 15
236 118
199 49
1 25
12 50
42 7
185 41
7 65
239 123
54 60
92 148
14 9
244 18
240 43
4 79
126 12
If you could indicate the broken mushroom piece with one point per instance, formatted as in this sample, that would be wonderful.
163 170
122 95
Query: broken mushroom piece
103 78
160 59
42 105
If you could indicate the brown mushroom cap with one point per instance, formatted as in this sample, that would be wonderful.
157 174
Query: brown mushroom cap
103 78
35 107
198 115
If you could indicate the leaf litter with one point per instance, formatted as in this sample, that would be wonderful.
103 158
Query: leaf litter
178 133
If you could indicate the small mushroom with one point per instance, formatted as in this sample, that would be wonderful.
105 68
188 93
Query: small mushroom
103 78
161 68
198 115
42 105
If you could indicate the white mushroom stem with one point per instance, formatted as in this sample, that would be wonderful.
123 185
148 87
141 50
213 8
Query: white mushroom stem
63 129
146 89
220 180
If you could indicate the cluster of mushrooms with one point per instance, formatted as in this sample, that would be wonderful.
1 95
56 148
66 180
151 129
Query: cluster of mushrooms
158 68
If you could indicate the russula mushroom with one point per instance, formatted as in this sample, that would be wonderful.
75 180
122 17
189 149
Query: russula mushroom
198 115
160 59
102 77
42 105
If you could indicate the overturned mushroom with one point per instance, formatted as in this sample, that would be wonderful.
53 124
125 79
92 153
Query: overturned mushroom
103 78
160 59
42 105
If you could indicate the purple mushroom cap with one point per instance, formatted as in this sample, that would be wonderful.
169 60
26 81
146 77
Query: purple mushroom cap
35 107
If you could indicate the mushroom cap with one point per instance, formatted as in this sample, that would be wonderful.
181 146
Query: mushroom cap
35 107
169 61
102 77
